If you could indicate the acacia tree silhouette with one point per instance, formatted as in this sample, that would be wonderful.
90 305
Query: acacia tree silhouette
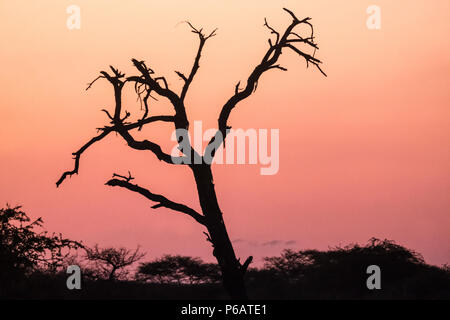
112 261
146 83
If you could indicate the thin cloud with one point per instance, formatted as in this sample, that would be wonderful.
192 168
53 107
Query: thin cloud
267 243
272 243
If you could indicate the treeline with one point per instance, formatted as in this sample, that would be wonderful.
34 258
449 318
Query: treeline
33 264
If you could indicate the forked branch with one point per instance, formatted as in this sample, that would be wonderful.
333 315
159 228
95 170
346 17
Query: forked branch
283 41
104 132
188 80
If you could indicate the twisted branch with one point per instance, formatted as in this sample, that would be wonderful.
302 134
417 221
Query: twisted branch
77 156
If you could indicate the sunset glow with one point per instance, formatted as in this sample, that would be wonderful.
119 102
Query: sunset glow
363 152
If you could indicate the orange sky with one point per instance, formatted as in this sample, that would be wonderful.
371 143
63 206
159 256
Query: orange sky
363 153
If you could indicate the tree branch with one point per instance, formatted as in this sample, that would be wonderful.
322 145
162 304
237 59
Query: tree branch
246 263
127 179
141 122
153 83
180 118
145 145
161 200
188 80
120 127
105 132
268 62
78 153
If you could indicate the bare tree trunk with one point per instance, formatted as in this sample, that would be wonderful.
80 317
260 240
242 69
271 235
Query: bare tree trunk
112 274
232 272
146 83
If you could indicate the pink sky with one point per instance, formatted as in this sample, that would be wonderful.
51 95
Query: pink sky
363 153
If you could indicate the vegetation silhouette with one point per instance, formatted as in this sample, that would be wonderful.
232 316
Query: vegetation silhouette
178 269
33 265
340 273
146 83
25 248
111 263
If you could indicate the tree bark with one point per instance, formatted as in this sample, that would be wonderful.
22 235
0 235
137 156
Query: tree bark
232 272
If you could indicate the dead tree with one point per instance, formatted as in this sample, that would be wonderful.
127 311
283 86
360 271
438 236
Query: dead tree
147 83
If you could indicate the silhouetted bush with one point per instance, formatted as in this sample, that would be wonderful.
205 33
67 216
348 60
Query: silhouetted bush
341 273
25 249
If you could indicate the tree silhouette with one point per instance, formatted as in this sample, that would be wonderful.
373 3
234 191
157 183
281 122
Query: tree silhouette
111 262
25 247
146 83
178 269
340 272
